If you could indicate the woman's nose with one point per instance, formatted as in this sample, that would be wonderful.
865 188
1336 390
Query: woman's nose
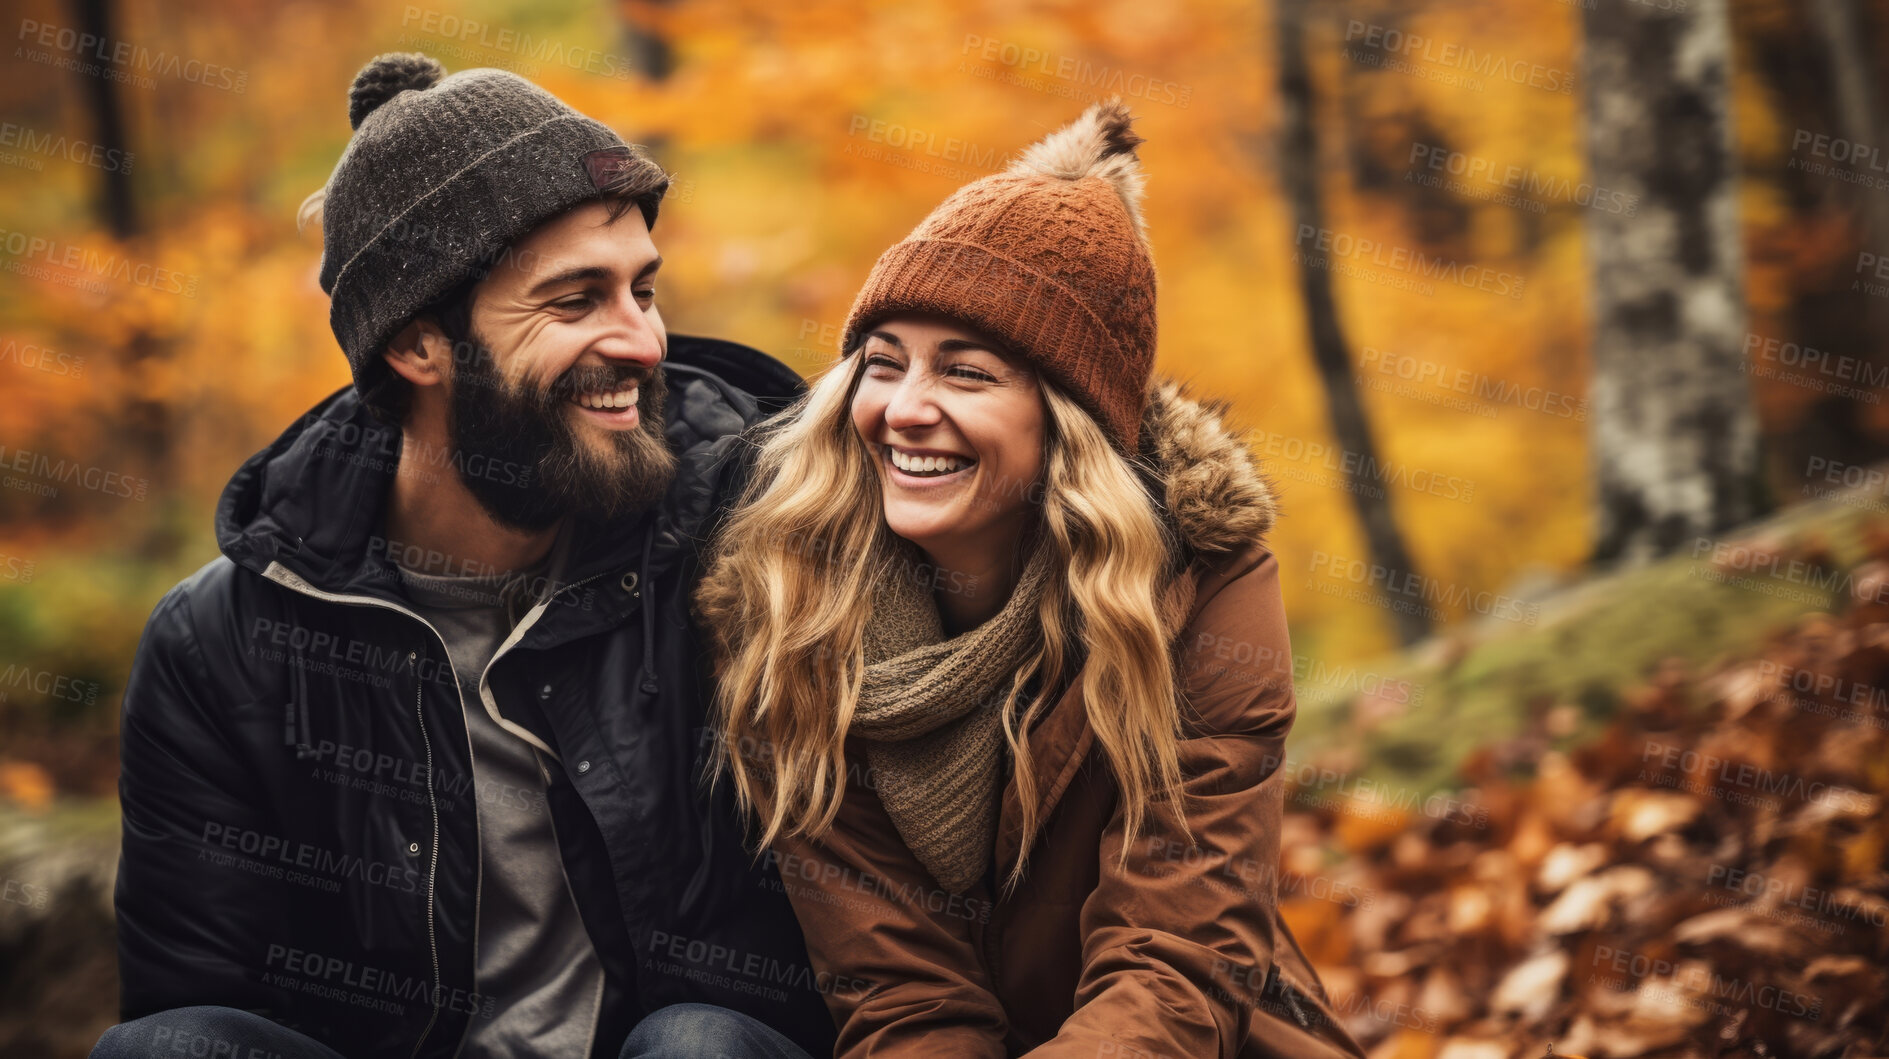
912 404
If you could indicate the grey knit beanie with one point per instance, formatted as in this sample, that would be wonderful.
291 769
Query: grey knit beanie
442 174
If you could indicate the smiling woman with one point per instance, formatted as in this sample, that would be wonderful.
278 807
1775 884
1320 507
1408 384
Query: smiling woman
914 747
958 427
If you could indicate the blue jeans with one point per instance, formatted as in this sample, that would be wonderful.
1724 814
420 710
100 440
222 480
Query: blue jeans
679 1031
207 1033
704 1031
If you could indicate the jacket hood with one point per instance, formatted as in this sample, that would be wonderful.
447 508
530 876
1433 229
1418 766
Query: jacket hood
1214 495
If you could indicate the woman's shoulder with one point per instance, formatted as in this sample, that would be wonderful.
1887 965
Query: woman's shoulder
1235 655
1245 575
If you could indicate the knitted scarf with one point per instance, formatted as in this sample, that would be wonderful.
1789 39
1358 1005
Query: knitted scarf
931 713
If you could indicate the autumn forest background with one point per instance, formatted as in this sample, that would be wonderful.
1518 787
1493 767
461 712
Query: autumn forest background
1561 327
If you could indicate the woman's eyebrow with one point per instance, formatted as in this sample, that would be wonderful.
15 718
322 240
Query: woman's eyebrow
955 345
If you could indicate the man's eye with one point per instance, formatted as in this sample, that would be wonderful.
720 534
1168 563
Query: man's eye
578 302
646 294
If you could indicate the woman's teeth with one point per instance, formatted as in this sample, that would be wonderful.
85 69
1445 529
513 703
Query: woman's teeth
927 466
608 401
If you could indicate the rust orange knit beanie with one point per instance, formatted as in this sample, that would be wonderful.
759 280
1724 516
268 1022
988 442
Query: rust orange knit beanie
1049 256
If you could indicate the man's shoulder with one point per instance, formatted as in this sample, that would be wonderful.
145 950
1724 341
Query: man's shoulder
180 646
718 387
720 391
207 607
768 383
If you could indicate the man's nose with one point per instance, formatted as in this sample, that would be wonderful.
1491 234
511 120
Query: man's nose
630 336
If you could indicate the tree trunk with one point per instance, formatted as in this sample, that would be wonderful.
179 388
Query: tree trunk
1839 427
144 423
1842 28
1298 163
1818 74
650 51
108 125
1675 438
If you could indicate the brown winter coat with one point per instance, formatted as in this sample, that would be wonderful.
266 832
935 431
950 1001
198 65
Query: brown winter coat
1183 954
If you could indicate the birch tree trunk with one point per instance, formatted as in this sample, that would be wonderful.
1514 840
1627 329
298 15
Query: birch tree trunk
1675 438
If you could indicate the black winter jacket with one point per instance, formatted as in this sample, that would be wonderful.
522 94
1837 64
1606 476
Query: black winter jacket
300 821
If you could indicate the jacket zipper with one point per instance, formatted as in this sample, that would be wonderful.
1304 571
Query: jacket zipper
282 575
596 1004
518 633
1287 993
432 868
490 706
288 578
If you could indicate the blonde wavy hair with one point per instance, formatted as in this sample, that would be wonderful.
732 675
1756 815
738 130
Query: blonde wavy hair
789 590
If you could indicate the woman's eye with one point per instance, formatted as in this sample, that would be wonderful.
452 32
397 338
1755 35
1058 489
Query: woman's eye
971 373
879 360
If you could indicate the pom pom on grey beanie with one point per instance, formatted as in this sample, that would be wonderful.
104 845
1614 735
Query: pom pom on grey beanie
442 174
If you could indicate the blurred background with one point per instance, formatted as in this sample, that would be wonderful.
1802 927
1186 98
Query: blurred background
1561 327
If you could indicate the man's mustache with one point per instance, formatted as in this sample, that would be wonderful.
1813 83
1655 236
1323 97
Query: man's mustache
597 378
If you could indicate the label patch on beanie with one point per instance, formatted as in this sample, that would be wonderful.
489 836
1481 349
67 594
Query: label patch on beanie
606 165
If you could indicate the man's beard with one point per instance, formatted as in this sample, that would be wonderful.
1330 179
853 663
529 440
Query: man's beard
519 454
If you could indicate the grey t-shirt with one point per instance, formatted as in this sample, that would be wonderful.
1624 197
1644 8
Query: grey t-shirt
532 955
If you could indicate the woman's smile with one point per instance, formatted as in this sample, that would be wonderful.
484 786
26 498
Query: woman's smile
925 468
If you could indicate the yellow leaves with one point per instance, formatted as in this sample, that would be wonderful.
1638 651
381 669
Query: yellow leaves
1638 815
1408 1043
1365 823
1318 927
26 785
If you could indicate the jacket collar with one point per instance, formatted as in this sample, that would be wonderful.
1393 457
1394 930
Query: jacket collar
1217 503
1212 491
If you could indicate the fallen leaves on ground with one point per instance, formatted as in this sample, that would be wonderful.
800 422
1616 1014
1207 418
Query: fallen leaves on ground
1705 879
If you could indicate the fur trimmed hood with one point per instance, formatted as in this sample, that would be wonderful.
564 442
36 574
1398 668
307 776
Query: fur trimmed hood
1216 497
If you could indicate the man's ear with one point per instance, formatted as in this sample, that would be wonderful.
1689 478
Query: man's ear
420 353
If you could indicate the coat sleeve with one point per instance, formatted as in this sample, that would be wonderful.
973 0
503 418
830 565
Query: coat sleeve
190 919
893 951
1178 943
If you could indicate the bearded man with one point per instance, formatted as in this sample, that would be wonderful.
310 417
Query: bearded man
411 769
